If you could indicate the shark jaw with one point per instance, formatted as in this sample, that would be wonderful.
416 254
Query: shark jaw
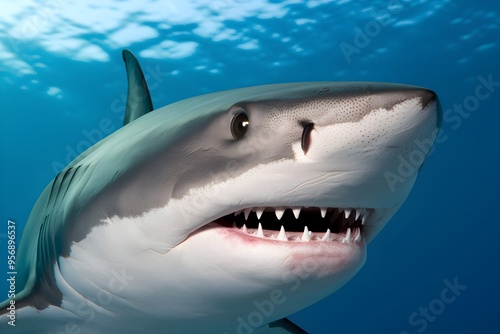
299 224
338 233
301 268
333 238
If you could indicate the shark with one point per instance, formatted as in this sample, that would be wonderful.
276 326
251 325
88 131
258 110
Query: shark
221 213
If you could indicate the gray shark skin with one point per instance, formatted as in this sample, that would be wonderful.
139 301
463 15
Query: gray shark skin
221 213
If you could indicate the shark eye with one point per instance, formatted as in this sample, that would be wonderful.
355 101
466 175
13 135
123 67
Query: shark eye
239 125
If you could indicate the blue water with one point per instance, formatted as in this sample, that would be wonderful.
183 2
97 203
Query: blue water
63 83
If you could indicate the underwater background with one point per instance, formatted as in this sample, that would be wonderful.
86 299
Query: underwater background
63 87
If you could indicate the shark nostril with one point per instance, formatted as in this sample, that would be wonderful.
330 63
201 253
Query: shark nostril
306 137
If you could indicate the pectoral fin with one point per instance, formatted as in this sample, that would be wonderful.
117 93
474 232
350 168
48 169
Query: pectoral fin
282 326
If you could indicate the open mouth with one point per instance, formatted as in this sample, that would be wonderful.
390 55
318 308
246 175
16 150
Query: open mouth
300 223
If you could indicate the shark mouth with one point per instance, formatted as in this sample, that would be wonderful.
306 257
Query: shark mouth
300 224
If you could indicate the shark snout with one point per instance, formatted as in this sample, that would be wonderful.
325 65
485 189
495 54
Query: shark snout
427 96
430 97
432 106
429 101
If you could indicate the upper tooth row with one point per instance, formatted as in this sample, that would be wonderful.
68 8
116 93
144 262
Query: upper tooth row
296 212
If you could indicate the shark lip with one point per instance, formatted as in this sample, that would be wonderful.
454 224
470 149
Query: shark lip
299 223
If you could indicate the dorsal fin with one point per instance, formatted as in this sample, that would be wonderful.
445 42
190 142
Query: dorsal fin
138 98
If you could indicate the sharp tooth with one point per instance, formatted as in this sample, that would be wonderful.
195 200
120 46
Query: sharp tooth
244 229
323 212
364 218
247 213
282 235
347 237
326 237
358 213
259 212
260 233
347 213
358 237
279 213
362 214
296 212
306 235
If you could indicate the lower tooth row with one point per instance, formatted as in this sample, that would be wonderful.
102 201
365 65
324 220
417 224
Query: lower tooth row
306 235
349 236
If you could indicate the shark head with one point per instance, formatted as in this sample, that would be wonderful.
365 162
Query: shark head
260 199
